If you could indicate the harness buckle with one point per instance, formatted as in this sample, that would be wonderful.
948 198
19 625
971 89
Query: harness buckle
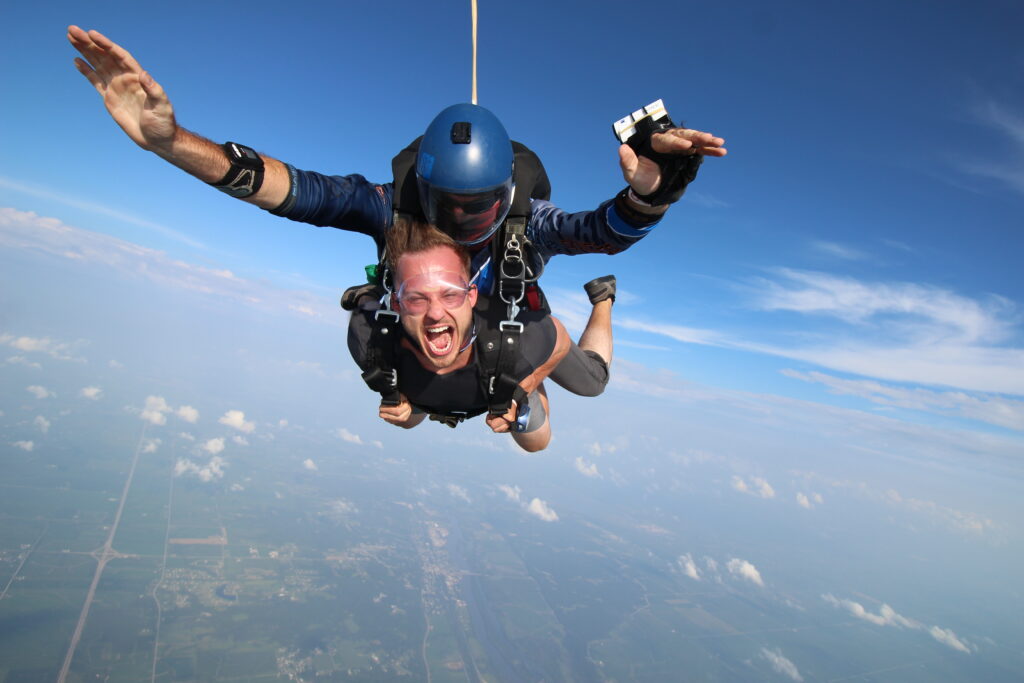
386 313
510 325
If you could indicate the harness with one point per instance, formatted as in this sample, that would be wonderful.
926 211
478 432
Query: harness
517 267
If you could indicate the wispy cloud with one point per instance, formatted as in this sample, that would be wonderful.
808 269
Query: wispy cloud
27 230
308 464
150 445
887 616
587 469
903 332
459 492
781 664
995 410
758 486
28 446
39 392
42 423
1010 169
841 251
51 195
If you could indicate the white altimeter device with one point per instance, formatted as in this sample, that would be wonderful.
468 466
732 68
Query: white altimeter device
625 128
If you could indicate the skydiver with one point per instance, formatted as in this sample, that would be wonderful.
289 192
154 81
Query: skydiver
469 199
443 350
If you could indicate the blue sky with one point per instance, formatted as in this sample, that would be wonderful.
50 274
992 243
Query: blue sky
864 228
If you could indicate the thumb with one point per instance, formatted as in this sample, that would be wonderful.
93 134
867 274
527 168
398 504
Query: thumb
628 161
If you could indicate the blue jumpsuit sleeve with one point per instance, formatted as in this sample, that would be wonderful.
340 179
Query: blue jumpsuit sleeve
348 202
604 231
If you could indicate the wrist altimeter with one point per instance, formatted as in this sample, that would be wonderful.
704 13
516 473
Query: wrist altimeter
677 171
245 177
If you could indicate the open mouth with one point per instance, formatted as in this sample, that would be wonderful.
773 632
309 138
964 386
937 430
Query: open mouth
440 339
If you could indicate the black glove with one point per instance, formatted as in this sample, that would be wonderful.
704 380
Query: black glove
677 171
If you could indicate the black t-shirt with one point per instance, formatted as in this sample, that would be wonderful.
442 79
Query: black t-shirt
460 390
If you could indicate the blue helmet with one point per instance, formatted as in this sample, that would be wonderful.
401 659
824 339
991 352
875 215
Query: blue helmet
464 171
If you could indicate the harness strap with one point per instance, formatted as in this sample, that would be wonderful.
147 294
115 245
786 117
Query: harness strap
381 357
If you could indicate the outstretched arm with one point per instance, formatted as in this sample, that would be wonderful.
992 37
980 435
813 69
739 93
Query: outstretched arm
142 109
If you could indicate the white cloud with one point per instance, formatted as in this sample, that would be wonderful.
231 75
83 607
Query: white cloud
42 423
54 349
186 436
341 508
240 440
27 230
459 492
188 414
887 616
348 436
236 419
817 498
688 566
781 664
213 446
996 410
38 391
24 445
585 468
150 445
154 410
803 501
512 492
902 332
758 486
91 393
310 465
538 508
745 570
947 637
211 471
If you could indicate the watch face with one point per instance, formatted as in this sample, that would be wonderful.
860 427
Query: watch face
245 157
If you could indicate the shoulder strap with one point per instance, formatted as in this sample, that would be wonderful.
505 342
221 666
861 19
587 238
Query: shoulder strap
382 356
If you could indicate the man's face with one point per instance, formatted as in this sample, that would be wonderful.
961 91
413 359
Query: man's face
436 304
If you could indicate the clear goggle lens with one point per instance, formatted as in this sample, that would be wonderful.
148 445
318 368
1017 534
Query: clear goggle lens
448 289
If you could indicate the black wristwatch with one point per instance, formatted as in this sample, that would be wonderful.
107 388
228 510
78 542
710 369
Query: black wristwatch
245 177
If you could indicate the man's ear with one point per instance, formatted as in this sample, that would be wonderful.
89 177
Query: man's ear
472 295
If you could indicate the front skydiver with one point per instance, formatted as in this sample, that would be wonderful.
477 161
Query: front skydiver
445 346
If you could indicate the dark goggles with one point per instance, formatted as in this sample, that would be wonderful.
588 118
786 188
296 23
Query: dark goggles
469 218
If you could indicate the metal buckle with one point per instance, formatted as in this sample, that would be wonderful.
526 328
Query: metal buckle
509 325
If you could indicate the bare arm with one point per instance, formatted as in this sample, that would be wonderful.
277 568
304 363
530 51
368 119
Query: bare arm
142 109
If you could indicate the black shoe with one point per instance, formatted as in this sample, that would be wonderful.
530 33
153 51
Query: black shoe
352 297
600 289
